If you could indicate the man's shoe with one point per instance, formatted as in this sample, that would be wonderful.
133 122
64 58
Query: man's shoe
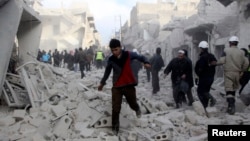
115 130
138 114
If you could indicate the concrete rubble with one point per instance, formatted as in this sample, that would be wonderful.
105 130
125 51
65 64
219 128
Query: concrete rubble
61 106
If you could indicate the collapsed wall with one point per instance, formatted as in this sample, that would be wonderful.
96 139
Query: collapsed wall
22 22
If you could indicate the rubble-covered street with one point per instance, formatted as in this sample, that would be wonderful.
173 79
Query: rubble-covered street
55 57
65 107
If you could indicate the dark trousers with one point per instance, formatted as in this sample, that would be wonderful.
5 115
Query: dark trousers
117 94
88 66
148 74
203 90
244 80
180 97
155 81
82 69
99 64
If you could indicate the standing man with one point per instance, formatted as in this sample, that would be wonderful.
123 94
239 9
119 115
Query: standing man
99 59
235 63
124 81
76 60
181 70
148 70
206 73
50 58
157 63
136 66
81 58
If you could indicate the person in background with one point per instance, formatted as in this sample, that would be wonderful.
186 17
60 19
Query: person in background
82 59
71 60
205 71
148 70
50 58
157 63
45 57
246 74
136 65
99 57
124 81
76 60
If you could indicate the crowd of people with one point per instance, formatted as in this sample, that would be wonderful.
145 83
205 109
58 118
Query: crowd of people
125 66
79 59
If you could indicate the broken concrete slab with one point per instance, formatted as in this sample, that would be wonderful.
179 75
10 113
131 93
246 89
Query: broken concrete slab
199 109
19 114
7 121
164 136
61 128
212 111
38 137
161 120
191 117
27 129
58 110
132 136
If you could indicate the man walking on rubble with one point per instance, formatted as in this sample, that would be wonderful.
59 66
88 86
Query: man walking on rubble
124 81
81 58
148 70
157 63
181 80
206 73
235 63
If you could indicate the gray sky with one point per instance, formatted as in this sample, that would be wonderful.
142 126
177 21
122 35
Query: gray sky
106 13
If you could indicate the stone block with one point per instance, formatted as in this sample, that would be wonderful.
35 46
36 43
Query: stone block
163 121
36 122
62 126
38 137
103 122
58 110
177 118
142 122
27 129
7 121
132 136
89 95
19 114
111 138
212 111
85 133
191 117
148 104
45 107
164 136
199 109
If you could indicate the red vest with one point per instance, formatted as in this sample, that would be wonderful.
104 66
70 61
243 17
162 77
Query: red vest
127 77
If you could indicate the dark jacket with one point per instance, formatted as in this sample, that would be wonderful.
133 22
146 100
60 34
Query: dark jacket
178 67
156 62
76 56
202 67
81 57
117 64
136 66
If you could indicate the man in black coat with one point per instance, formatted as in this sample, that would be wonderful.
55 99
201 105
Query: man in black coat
157 63
181 77
206 73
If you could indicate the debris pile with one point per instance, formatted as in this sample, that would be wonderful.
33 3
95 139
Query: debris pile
53 104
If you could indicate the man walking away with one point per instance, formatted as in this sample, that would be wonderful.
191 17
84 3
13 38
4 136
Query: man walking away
205 71
99 59
157 63
148 70
82 58
180 68
124 81
136 66
235 63
76 60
